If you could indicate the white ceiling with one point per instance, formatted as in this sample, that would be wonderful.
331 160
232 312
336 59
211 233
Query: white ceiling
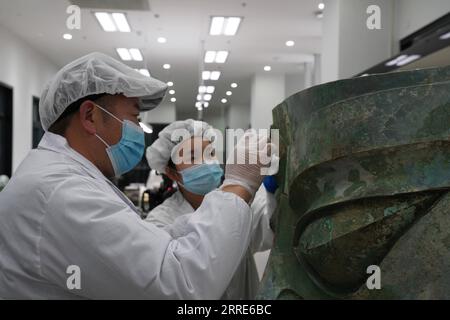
266 26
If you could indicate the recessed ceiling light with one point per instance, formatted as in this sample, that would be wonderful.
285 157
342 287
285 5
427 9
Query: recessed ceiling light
215 75
290 43
445 36
410 59
210 89
166 66
205 104
111 22
202 89
136 54
234 85
170 84
396 60
221 56
207 97
173 99
67 36
224 26
224 100
124 54
321 6
171 91
162 40
198 104
216 56
121 22
144 72
199 97
229 93
267 68
206 75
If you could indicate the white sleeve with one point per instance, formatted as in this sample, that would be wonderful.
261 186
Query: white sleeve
122 257
262 208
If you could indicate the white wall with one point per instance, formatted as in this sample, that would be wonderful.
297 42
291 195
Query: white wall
268 90
238 117
349 47
164 113
412 15
26 71
294 83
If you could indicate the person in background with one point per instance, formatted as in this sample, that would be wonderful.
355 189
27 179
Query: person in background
197 177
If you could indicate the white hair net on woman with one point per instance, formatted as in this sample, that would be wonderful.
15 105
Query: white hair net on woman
160 152
96 73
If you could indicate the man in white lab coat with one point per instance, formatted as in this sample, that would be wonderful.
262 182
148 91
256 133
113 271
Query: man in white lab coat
196 178
67 232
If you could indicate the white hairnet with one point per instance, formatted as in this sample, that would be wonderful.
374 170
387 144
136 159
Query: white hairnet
159 153
96 73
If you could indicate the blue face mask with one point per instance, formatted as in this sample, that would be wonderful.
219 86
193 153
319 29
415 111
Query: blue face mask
202 179
128 152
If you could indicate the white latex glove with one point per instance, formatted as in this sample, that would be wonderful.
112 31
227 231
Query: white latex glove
251 161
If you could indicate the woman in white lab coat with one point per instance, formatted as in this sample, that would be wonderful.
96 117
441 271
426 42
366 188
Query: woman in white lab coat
173 214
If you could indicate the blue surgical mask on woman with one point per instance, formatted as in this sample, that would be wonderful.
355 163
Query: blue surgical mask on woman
128 152
202 178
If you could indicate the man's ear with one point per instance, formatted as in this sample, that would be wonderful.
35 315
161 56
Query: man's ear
89 115
173 174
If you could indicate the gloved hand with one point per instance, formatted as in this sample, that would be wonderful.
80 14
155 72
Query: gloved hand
270 183
250 162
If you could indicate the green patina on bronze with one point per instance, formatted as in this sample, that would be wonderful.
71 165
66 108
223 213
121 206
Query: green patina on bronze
364 170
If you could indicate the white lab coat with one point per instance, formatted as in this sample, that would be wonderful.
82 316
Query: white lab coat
58 210
172 215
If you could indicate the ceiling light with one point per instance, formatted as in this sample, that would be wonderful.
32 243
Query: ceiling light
144 72
396 60
205 104
162 40
207 97
124 54
215 75
290 43
224 26
267 68
199 97
106 21
321 6
232 26
216 56
210 89
200 108
410 59
221 56
202 89
121 22
170 84
206 75
166 66
171 91
173 99
136 54
216 26
67 36
147 129
198 104
210 56
224 100
111 22
445 36
229 93
234 85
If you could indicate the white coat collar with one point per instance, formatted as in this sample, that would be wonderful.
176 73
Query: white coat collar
57 143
